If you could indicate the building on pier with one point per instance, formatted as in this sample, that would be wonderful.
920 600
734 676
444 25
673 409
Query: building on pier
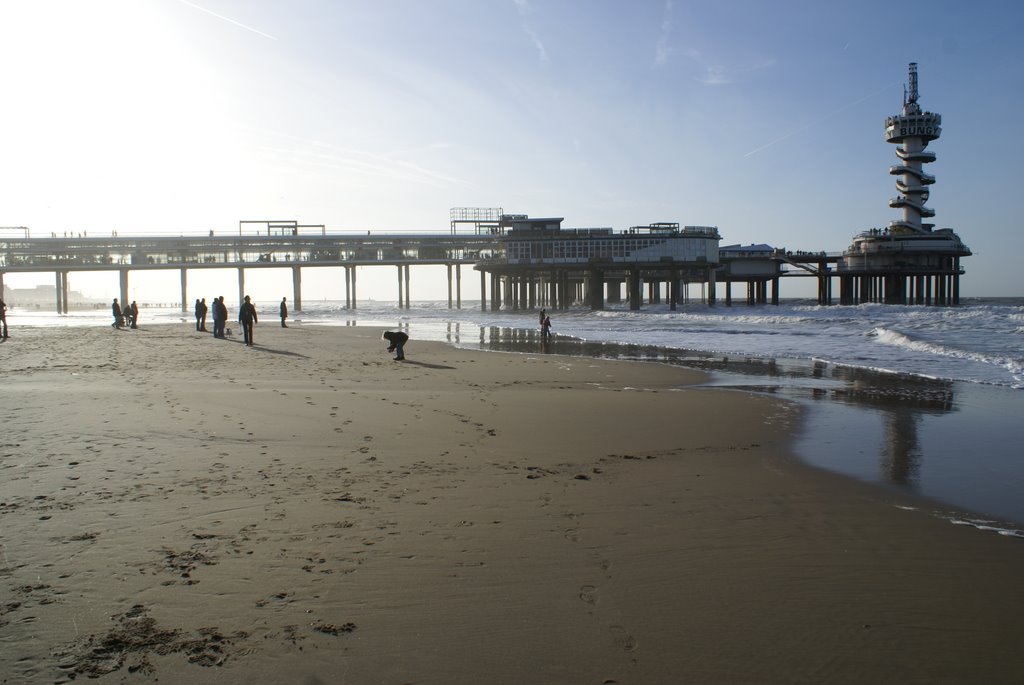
543 264
909 261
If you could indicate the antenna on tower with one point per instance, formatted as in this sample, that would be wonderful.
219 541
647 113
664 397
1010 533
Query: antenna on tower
913 83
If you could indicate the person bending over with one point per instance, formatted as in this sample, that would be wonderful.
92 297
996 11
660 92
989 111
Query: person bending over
397 340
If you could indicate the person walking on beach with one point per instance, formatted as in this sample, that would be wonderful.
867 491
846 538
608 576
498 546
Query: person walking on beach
284 311
3 320
543 315
247 317
135 314
397 340
115 309
545 327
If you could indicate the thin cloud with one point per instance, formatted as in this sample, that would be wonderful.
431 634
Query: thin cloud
721 74
817 121
662 49
524 8
395 166
227 19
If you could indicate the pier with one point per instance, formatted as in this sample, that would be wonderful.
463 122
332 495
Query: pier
256 245
523 262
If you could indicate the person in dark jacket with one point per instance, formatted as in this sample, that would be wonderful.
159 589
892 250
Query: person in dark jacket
134 308
115 309
397 340
220 316
201 310
3 320
284 311
247 317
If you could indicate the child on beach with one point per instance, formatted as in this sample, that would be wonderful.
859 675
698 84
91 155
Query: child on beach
397 340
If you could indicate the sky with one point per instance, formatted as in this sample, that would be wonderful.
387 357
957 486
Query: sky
764 119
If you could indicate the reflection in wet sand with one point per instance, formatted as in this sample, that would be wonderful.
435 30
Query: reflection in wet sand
891 429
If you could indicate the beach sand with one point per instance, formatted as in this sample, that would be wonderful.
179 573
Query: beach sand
189 510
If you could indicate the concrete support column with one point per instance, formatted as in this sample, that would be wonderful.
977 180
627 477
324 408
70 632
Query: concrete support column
355 290
123 276
184 290
348 291
496 292
673 290
634 290
448 268
596 289
483 291
60 291
241 285
956 280
297 288
64 287
728 293
408 279
458 286
712 296
775 290
401 290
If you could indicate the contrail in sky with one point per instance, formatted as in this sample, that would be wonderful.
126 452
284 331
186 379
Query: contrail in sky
819 120
227 19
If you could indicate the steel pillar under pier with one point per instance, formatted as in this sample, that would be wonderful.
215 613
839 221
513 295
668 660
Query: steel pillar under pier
241 286
673 290
728 293
297 288
483 291
775 290
401 290
712 290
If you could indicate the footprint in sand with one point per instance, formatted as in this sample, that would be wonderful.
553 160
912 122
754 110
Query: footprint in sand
588 593
623 639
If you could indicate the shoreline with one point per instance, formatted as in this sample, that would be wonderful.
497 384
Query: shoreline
307 509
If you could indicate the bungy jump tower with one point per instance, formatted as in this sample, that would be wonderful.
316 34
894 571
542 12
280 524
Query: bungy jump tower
909 262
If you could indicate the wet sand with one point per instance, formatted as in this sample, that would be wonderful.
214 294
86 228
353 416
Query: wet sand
186 509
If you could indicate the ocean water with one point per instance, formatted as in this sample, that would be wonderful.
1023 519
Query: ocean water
923 400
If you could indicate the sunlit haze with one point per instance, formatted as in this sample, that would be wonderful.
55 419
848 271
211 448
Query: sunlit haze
762 118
